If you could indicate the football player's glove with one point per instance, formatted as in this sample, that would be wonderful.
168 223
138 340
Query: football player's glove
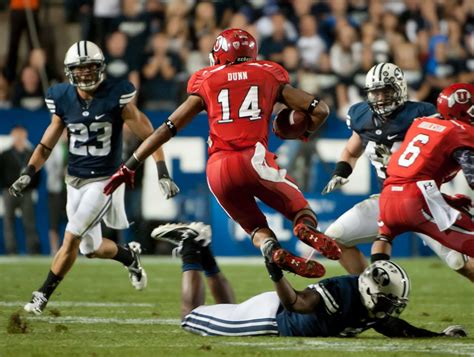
167 186
22 182
455 331
382 154
335 183
123 174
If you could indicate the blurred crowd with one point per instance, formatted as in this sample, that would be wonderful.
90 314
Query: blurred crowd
326 46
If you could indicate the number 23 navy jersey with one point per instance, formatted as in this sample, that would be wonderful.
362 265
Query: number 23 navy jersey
94 127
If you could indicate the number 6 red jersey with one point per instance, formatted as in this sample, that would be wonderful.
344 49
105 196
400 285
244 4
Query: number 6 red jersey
239 100
427 150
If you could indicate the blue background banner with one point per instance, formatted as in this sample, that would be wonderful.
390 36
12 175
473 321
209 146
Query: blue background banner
187 155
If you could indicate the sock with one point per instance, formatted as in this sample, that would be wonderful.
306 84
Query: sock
307 220
208 262
50 284
379 256
124 256
191 255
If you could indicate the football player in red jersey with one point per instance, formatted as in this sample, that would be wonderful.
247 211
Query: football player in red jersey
433 151
238 92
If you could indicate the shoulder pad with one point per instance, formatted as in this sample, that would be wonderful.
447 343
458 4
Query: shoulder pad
356 114
53 97
126 91
277 71
196 80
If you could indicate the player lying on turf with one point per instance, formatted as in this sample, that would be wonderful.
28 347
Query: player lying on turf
93 110
433 152
342 306
239 93
380 121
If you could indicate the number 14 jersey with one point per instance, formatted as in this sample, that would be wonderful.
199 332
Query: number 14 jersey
239 101
94 127
426 152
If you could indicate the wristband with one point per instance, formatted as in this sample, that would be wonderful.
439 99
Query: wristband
379 256
28 170
133 163
312 106
343 169
170 125
162 170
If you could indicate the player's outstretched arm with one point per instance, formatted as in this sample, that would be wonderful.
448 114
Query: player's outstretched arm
177 120
298 99
141 126
303 302
40 155
351 153
396 327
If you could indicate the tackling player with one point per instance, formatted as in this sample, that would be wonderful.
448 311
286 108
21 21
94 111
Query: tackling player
238 92
433 151
93 110
342 306
378 128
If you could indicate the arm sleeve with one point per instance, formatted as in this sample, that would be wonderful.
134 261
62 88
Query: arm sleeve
49 100
395 327
465 158
127 93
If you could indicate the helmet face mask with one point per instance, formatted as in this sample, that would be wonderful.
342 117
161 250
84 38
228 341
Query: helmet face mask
233 46
84 65
384 288
386 88
456 102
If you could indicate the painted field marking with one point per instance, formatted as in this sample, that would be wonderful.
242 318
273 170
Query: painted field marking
102 320
80 304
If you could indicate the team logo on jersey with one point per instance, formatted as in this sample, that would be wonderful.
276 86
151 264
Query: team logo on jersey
221 42
85 113
380 276
378 132
461 96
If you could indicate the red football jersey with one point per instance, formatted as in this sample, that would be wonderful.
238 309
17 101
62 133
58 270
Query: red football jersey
239 101
426 152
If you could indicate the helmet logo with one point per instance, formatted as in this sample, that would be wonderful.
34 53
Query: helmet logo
470 111
221 43
398 73
461 96
380 276
236 44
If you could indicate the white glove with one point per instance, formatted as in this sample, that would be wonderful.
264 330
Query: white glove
455 331
168 187
382 154
19 185
334 183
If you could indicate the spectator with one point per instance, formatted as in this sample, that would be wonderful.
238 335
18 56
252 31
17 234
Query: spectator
12 161
56 170
200 58
104 18
39 61
121 64
467 70
159 89
292 63
28 93
371 37
204 22
135 23
272 47
346 52
5 102
17 25
309 43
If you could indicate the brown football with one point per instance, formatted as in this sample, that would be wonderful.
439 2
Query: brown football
291 124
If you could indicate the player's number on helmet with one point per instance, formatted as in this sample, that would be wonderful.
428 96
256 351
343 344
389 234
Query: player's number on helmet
248 109
408 157
80 133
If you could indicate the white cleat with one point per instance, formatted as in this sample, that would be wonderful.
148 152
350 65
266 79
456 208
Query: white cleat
37 304
136 273
177 232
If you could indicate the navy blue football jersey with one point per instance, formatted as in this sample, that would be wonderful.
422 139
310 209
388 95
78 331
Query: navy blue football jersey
340 312
94 127
390 132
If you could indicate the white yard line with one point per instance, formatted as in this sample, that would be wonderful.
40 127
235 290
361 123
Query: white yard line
102 320
80 304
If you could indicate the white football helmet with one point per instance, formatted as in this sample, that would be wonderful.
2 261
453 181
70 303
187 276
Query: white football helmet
386 88
84 65
384 288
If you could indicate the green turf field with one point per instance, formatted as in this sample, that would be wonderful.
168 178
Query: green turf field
96 311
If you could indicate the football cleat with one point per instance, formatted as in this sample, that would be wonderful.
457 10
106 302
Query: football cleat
319 241
136 273
37 304
176 233
300 266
